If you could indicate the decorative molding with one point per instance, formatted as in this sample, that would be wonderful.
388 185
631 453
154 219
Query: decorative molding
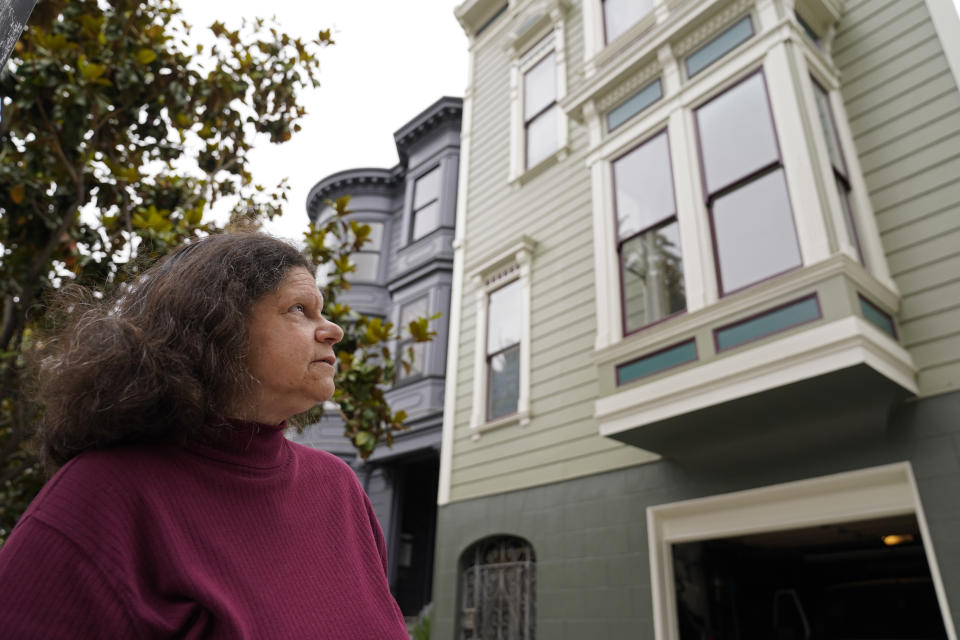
711 27
630 85
491 262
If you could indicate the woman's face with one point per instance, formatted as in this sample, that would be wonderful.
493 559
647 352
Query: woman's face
291 349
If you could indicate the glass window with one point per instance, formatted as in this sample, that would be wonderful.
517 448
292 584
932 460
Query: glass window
651 265
419 308
754 234
540 110
832 138
739 32
503 350
736 134
620 15
367 260
426 204
634 104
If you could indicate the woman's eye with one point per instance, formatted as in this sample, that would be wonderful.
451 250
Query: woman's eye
297 307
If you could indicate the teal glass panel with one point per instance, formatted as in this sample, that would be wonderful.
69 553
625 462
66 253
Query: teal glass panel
648 365
634 104
876 317
741 31
791 315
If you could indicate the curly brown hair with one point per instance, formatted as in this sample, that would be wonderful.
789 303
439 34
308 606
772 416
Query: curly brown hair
158 360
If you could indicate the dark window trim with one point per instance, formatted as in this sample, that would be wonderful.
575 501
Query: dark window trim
488 355
760 314
893 325
841 176
740 182
662 222
676 345
486 411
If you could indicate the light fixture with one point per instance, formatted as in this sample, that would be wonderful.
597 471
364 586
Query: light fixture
894 539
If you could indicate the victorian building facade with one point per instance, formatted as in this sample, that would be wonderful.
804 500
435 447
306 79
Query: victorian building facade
703 370
403 273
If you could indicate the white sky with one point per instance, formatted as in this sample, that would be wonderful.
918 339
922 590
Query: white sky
391 60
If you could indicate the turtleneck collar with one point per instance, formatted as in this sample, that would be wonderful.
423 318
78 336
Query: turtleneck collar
243 443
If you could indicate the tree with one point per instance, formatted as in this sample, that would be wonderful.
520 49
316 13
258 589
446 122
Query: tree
119 135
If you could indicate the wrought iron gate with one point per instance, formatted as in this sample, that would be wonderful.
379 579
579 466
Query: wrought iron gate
499 586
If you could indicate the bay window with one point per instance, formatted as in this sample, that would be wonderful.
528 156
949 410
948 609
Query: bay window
754 236
648 235
840 175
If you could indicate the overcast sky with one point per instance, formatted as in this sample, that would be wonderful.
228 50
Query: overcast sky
391 60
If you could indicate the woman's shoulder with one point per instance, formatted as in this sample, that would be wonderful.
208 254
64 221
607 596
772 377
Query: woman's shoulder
96 484
323 462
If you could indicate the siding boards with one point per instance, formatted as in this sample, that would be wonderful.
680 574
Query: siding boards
554 208
904 112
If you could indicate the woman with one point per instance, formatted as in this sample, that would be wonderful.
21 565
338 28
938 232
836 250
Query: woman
180 509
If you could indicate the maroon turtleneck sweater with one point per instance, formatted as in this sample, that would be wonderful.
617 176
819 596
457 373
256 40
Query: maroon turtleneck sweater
247 536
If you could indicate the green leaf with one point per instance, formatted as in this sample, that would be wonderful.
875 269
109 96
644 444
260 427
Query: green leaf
146 56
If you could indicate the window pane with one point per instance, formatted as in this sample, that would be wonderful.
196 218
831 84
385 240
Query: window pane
539 87
426 220
620 15
503 320
504 383
829 130
718 47
368 265
754 232
375 239
844 193
634 105
426 188
419 308
652 271
417 365
643 186
736 133
542 136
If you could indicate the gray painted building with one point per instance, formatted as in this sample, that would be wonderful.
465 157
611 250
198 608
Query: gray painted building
704 362
402 274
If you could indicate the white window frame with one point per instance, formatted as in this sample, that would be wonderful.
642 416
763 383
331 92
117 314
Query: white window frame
875 492
541 32
509 265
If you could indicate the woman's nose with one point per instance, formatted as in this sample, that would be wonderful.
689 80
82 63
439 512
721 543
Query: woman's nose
329 332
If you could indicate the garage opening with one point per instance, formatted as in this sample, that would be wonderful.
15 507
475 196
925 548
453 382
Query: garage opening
850 581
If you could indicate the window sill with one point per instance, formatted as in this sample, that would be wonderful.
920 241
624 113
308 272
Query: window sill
521 417
521 179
